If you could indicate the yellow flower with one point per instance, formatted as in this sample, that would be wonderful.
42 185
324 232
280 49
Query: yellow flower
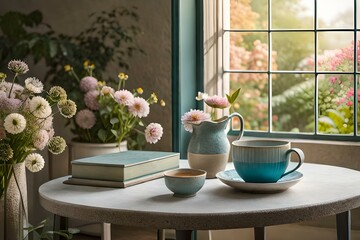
86 63
162 103
139 90
92 66
101 83
154 98
67 68
121 76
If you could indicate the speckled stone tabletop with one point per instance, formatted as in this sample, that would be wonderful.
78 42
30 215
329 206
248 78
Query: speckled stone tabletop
324 190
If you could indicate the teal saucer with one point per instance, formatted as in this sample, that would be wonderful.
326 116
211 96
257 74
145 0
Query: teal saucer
232 179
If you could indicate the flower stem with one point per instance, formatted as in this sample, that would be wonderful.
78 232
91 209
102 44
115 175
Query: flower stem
12 85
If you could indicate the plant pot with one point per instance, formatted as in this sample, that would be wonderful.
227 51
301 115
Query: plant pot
82 150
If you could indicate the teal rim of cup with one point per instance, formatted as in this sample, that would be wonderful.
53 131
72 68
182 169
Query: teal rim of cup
277 143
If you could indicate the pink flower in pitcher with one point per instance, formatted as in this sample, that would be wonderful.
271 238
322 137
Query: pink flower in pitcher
217 102
194 117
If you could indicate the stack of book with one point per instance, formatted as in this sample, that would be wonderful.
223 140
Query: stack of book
122 169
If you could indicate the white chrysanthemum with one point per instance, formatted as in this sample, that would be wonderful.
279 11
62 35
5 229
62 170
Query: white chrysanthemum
14 123
153 133
34 85
39 107
17 66
40 139
123 97
106 90
139 107
34 162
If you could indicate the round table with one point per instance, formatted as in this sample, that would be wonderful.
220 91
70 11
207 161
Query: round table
324 190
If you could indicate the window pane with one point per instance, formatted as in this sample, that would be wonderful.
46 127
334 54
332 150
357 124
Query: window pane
291 48
248 14
292 14
248 51
293 105
335 13
336 51
253 100
336 103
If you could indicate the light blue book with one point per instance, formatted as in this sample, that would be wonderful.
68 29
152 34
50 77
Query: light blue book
124 166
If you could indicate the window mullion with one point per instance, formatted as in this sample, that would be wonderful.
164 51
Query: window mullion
316 90
355 71
269 69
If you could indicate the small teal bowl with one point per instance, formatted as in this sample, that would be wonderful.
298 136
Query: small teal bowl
184 182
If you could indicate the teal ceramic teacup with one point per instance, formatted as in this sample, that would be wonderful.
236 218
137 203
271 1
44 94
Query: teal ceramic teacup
184 182
264 161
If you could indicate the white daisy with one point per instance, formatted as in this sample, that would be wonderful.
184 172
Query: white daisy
14 123
34 162
34 85
39 107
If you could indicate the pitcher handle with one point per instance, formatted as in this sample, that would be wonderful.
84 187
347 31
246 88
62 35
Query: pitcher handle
241 119
301 158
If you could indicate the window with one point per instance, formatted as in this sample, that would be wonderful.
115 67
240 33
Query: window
296 64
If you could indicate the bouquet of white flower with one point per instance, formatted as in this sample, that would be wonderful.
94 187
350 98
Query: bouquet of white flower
26 121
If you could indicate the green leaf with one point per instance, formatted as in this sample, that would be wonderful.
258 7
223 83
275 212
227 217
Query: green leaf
52 48
102 135
114 132
114 121
32 42
234 96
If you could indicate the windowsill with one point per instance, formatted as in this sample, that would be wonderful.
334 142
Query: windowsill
309 141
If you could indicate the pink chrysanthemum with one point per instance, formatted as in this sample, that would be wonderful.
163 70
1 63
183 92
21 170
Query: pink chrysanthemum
90 100
15 92
217 102
88 84
45 123
51 132
85 118
124 97
40 139
153 133
139 107
194 117
9 104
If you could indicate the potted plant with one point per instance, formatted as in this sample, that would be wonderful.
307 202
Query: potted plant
109 117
